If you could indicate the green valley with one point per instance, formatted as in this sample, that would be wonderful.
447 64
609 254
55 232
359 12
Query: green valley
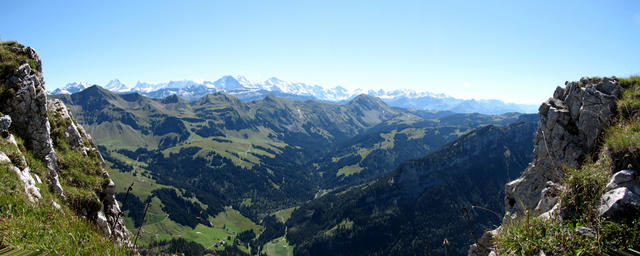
217 167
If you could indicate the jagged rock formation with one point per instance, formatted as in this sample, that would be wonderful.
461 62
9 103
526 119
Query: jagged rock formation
24 101
28 110
571 125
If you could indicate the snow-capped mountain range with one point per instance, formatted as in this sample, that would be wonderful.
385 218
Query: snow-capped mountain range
246 90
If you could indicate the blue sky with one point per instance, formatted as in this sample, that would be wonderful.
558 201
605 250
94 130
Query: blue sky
517 51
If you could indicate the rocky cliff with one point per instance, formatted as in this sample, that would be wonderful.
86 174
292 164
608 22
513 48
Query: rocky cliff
571 146
571 123
34 127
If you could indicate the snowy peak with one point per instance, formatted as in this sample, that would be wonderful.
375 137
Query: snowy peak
116 86
245 90
233 83
71 88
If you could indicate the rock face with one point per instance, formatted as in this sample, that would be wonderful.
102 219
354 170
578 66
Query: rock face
570 124
28 116
28 111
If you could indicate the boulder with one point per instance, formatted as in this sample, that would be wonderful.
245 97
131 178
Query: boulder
624 178
620 204
5 122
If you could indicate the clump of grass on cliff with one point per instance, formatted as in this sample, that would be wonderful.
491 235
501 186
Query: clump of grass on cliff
580 197
582 189
38 227
81 176
629 102
9 62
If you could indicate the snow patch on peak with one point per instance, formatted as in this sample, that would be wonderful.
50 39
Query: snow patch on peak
116 86
71 88
241 87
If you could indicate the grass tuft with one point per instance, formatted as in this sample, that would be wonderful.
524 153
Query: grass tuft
629 102
582 189
10 60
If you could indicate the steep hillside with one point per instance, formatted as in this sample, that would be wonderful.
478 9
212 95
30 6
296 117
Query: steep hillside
73 211
413 209
380 149
581 193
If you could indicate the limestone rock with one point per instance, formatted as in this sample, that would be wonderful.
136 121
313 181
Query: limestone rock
620 203
33 192
5 122
570 124
56 206
624 178
102 222
548 196
4 158
622 196
28 111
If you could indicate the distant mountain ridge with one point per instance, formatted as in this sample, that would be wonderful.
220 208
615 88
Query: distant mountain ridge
247 91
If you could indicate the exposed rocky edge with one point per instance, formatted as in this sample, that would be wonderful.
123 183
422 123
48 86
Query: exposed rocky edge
24 101
18 164
28 111
571 125
107 218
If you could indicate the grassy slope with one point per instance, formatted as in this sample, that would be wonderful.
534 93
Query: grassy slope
38 226
278 247
159 227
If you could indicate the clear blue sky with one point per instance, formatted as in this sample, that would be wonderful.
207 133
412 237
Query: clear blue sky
509 50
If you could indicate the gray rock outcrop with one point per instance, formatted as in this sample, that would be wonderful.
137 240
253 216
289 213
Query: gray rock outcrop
570 125
5 123
29 114
28 111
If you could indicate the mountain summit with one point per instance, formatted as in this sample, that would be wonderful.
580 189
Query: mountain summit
246 91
